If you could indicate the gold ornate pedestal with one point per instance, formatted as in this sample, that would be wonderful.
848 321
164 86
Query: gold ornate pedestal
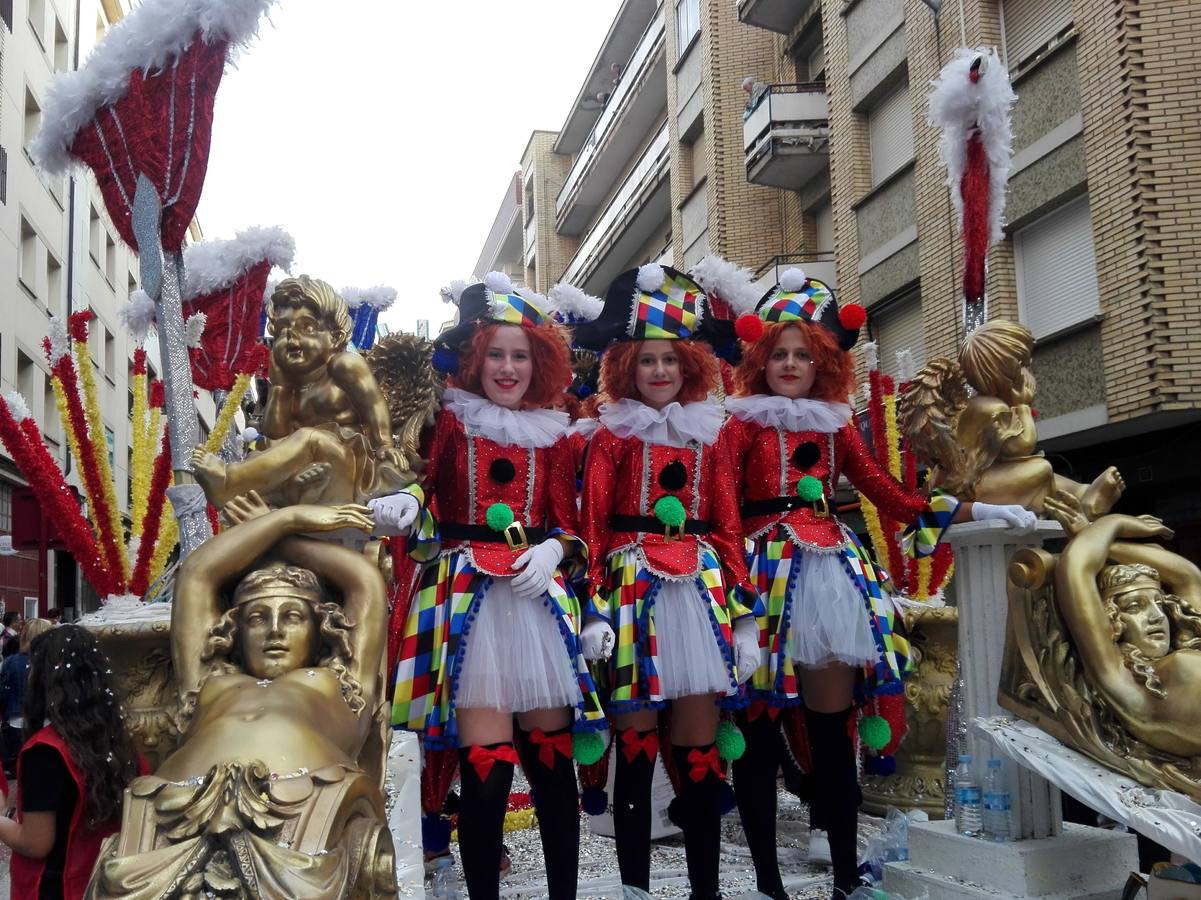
921 757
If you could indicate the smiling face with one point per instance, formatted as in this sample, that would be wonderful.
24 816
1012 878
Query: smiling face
1144 623
508 366
303 342
277 634
657 376
790 370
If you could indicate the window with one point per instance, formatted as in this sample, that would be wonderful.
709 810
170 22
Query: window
890 134
37 20
110 441
110 354
6 13
1029 25
3 174
33 117
30 245
52 427
6 501
95 236
899 328
817 63
1057 271
54 285
823 227
27 375
688 23
110 258
61 59
529 198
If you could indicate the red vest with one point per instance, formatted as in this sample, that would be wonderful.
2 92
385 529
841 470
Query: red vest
83 842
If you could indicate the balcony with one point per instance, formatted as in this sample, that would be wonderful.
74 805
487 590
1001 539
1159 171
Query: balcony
787 135
819 265
639 206
503 246
780 16
633 109
531 241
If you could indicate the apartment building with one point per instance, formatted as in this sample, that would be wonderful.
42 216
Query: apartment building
59 253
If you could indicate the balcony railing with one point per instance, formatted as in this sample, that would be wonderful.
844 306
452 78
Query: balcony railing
786 135
819 265
642 61
638 186
780 16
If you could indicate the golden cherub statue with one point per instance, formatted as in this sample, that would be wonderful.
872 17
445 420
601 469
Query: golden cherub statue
983 446
281 687
328 423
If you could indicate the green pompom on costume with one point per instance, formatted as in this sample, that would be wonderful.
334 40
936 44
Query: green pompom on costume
670 511
875 732
499 516
730 742
588 747
809 489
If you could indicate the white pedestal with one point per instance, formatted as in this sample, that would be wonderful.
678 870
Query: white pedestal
982 553
1080 862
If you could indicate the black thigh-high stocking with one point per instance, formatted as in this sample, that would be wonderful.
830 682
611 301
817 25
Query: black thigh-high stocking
546 759
699 815
486 775
755 790
635 768
837 787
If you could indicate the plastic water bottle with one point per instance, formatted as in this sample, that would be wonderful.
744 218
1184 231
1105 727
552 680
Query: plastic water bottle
997 825
445 884
967 799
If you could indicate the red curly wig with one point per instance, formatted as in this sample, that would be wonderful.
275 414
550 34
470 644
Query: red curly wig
548 350
835 368
698 366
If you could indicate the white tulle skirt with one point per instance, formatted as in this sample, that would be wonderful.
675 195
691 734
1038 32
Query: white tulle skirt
690 659
515 660
829 620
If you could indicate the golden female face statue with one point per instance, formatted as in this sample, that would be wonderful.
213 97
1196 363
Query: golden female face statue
276 635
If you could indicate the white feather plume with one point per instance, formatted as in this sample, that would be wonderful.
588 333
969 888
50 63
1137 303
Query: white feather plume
194 329
540 301
792 280
871 355
17 406
272 284
453 291
958 106
498 283
906 366
651 277
574 304
60 341
379 297
132 547
214 265
137 315
148 38
731 282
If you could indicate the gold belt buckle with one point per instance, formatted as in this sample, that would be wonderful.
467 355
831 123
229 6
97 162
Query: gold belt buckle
515 536
673 533
821 508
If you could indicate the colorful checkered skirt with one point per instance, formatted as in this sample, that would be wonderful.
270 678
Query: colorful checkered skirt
820 611
437 640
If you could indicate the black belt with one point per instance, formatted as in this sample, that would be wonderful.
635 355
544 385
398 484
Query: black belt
651 525
783 504
517 536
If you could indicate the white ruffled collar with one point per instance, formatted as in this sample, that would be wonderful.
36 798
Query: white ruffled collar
803 414
507 427
675 425
586 427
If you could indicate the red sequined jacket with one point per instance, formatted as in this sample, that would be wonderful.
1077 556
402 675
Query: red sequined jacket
772 460
468 473
626 476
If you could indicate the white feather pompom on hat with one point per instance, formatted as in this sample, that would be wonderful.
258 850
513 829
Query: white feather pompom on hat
194 329
137 315
498 283
574 304
651 277
540 301
792 280
729 281
453 291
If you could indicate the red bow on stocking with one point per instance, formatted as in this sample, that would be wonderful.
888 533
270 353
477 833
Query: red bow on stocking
633 743
550 744
483 758
703 762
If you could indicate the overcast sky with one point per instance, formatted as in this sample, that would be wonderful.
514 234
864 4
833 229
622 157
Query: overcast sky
382 134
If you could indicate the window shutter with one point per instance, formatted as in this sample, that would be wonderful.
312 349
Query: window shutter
1057 270
817 61
890 134
900 328
1029 24
823 224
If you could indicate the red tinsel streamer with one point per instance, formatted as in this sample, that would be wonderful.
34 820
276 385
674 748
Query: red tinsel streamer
159 480
64 370
77 325
880 385
892 708
596 775
158 394
139 361
438 770
214 522
943 557
28 450
974 188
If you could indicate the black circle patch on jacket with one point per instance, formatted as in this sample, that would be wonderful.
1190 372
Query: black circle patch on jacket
673 476
502 471
806 455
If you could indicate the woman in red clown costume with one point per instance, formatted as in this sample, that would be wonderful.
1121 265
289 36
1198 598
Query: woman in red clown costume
671 605
826 617
492 632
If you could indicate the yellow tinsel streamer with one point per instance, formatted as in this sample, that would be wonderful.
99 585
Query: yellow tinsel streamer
925 567
142 462
875 531
91 405
892 435
232 403
165 541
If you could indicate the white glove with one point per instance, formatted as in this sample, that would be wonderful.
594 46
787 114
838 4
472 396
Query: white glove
1017 517
746 648
394 514
539 563
597 639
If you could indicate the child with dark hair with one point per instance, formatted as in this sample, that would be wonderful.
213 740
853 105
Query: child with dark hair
13 676
77 760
